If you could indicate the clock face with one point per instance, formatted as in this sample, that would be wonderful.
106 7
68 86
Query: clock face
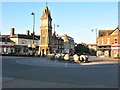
44 15
44 22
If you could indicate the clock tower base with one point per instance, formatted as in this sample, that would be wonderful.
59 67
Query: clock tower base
43 51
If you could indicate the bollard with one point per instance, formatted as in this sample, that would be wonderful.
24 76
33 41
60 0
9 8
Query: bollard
66 64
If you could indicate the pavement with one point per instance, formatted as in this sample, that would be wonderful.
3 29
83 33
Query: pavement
101 61
52 63
104 58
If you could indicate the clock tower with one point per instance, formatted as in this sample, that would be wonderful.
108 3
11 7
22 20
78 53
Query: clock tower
45 32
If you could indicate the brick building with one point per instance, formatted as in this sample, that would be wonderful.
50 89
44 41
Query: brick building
108 44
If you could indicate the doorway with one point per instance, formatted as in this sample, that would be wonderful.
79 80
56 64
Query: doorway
43 52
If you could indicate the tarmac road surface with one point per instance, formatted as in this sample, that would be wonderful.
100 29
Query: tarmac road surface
28 72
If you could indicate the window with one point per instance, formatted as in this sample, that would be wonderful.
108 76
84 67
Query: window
43 40
108 41
102 42
23 42
115 40
30 42
98 41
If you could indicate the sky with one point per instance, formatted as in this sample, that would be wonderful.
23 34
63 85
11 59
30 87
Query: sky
75 19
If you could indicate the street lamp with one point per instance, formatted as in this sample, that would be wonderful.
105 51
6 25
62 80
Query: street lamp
33 27
96 37
96 33
54 31
6 45
55 26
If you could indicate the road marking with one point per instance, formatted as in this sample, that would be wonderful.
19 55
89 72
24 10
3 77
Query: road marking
4 79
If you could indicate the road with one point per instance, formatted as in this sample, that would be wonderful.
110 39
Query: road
28 72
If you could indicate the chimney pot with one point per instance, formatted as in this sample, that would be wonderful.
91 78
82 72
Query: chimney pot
12 31
28 32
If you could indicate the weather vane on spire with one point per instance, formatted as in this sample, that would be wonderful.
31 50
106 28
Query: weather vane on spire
46 2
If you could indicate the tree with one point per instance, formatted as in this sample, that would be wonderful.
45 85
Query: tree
92 52
80 49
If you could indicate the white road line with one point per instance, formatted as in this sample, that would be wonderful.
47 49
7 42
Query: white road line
4 79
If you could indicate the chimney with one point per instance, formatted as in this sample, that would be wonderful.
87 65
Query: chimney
28 32
107 33
12 31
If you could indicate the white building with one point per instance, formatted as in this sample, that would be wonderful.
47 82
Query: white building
6 45
23 43
68 44
92 46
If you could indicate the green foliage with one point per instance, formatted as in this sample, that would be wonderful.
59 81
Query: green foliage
92 52
117 57
80 49
71 61
52 58
57 51
61 58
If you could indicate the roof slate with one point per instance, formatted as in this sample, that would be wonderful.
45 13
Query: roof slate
35 37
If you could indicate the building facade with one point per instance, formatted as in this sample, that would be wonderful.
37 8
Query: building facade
92 46
20 44
58 43
68 44
108 43
6 45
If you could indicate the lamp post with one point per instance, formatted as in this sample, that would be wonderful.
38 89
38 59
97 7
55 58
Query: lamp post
96 33
96 37
54 31
6 45
55 26
33 25
33 28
